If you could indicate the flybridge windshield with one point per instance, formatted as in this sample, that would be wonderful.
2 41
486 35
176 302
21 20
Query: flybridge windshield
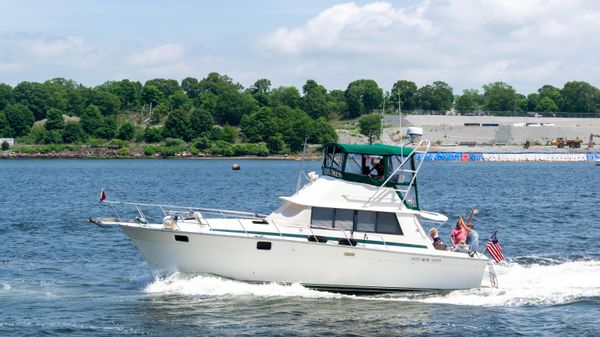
374 164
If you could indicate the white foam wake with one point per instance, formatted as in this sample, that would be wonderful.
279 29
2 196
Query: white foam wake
533 284
216 286
518 285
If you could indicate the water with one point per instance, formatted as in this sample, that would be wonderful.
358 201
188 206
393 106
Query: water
60 275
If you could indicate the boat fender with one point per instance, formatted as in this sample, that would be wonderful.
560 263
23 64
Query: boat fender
347 242
168 223
317 238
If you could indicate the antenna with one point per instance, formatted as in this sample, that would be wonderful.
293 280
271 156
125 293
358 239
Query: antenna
399 115
301 164
381 121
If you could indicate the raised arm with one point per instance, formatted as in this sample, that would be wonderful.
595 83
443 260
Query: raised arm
466 225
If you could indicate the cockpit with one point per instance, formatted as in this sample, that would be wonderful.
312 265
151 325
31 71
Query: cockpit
378 165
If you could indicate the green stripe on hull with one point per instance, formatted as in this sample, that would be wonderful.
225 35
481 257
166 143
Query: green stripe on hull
302 236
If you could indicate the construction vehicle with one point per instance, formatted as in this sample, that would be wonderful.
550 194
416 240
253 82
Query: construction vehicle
591 144
571 143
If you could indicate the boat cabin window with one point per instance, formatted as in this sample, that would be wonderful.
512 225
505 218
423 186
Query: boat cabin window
360 221
344 219
365 221
322 217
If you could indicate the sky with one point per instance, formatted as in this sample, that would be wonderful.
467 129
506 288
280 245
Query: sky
466 43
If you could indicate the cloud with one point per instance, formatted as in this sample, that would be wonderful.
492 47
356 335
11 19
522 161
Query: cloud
159 55
342 26
465 43
57 47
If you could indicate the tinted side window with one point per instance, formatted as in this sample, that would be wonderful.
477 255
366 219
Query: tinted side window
387 223
344 218
365 221
321 217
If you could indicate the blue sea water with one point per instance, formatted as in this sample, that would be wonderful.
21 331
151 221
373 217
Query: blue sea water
60 275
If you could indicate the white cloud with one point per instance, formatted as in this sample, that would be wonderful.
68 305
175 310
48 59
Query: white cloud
527 43
159 55
45 48
342 26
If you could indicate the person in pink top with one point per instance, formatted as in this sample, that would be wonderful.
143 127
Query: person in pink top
460 232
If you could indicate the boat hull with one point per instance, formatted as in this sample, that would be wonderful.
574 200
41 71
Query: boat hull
312 264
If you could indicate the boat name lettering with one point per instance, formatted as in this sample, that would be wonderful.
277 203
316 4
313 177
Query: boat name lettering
349 254
425 259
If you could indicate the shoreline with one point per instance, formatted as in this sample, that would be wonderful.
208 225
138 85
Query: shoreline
456 154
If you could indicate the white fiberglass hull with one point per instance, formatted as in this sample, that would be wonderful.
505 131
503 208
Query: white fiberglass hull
316 265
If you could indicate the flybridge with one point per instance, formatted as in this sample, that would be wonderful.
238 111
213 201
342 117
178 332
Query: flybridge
385 166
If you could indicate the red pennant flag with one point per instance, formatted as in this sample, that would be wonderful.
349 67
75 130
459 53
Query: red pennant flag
102 195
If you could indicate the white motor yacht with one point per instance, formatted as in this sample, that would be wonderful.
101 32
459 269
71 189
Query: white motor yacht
356 228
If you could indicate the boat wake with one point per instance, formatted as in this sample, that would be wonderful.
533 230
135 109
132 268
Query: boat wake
208 285
538 283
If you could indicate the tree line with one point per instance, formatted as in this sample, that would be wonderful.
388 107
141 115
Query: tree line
215 112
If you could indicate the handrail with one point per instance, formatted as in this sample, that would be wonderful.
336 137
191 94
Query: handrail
423 143
190 209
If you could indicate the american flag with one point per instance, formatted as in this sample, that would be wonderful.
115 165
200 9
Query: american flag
102 195
494 249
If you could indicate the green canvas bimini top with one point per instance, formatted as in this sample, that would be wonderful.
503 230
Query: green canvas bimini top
375 149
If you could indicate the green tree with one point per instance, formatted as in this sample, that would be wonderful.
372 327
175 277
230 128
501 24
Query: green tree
178 100
532 101
109 104
177 125
73 133
229 133
108 129
336 102
232 105
216 84
151 95
259 126
54 120
500 96
20 118
470 100
190 87
57 93
78 99
6 96
546 104
551 92
128 92
407 91
5 146
153 134
314 101
201 121
92 119
580 97
322 132
5 129
362 96
289 96
261 90
34 96
438 96
167 87
126 131
370 126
